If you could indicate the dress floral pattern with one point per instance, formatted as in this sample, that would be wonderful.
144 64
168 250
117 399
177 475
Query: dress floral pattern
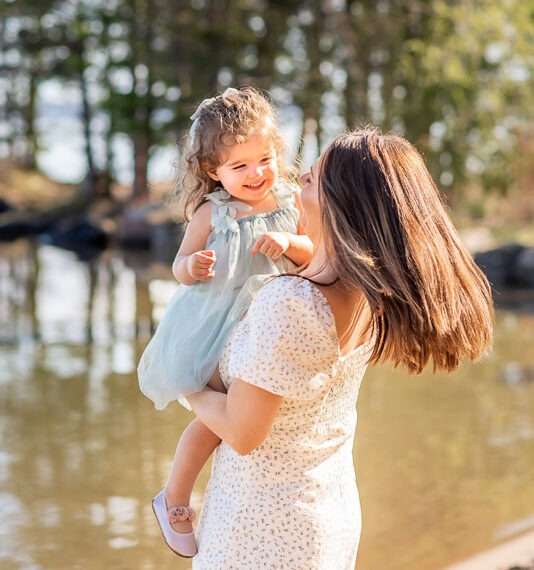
291 504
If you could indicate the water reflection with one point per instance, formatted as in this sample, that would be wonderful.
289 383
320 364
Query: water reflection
444 463
81 451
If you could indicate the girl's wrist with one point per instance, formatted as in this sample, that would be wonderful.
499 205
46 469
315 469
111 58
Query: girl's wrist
290 241
188 269
182 271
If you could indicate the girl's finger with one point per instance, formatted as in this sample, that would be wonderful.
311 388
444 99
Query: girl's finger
208 253
256 246
205 276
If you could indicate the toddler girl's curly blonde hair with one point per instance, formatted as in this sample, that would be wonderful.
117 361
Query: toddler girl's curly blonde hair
219 123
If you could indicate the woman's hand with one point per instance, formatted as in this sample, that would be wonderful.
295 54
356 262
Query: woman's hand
272 244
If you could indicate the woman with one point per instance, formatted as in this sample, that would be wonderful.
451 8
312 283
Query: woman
389 280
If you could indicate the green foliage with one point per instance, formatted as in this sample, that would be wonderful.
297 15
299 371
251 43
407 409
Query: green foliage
470 78
454 77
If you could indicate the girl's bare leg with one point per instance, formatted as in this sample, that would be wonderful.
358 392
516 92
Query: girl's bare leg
194 448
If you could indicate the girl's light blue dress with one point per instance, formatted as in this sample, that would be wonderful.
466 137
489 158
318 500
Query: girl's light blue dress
184 352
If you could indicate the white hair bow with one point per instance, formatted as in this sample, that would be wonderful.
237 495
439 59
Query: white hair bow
194 117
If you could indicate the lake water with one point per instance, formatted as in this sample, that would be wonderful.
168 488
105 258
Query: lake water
444 463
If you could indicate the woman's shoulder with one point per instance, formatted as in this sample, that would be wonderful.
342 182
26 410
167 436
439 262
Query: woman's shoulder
293 296
286 286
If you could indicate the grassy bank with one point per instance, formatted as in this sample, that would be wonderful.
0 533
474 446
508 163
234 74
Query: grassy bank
31 190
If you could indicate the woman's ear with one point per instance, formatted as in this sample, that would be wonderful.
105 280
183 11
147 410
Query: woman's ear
212 175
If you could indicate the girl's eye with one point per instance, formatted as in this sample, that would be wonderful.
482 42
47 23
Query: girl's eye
238 167
267 159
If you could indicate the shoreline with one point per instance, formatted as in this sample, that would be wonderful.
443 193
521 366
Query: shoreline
514 554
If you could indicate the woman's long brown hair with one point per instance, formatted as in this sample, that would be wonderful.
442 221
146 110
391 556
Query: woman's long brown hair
388 235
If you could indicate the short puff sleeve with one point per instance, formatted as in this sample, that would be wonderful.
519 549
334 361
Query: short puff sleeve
287 343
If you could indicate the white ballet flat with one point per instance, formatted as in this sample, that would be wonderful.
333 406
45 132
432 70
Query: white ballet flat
182 543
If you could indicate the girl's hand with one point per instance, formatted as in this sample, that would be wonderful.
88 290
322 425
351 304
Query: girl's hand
200 265
271 244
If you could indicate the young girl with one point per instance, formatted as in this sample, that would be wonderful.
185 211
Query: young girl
245 225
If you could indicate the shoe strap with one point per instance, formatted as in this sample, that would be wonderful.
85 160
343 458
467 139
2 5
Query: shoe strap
181 514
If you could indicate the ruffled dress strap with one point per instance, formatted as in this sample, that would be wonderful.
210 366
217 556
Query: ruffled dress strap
224 212
284 192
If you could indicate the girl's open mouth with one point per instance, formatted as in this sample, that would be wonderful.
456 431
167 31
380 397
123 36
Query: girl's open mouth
255 186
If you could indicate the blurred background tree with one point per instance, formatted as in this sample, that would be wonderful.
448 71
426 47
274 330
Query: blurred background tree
454 76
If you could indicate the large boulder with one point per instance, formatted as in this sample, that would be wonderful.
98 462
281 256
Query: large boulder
79 235
133 228
152 228
499 264
523 269
16 226
77 231
5 206
165 240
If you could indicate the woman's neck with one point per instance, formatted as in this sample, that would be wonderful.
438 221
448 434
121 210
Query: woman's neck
319 269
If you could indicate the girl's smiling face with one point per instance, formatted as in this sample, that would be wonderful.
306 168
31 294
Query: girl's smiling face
249 170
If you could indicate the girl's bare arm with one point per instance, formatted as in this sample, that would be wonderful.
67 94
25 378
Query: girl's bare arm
298 247
192 262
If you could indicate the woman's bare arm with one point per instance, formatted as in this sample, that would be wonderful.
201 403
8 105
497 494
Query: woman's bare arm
242 418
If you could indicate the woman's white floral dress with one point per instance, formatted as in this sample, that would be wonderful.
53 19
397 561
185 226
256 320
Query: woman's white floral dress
292 504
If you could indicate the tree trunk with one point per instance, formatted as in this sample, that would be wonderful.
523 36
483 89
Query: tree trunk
142 135
86 116
357 70
140 183
29 160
